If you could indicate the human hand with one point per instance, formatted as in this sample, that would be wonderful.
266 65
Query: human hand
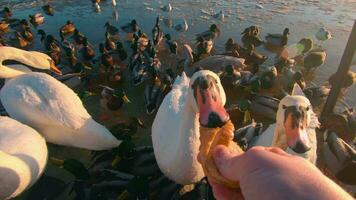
271 173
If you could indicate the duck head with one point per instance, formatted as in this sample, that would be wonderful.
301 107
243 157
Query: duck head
294 115
210 98
286 32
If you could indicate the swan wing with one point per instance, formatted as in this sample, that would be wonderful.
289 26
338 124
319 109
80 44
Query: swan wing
38 98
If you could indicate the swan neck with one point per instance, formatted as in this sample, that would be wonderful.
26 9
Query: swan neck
9 53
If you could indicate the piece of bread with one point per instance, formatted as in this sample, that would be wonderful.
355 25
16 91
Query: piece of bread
209 139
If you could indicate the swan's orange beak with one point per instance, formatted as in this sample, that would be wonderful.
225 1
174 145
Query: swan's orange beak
54 68
295 126
211 109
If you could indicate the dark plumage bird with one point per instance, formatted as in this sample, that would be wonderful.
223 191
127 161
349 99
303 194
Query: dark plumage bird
128 127
131 27
109 45
48 9
171 45
68 28
42 33
314 59
70 52
78 37
88 52
106 59
252 56
232 48
278 40
111 29
121 51
6 13
251 35
157 34
210 34
27 34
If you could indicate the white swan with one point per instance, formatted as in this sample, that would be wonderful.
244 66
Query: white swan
294 130
23 157
47 105
175 130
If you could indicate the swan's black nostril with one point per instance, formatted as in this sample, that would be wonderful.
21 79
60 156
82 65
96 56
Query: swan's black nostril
301 148
204 83
214 120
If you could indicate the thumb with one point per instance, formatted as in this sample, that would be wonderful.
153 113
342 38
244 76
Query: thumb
230 165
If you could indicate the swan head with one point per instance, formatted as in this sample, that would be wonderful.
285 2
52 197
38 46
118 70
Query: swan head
295 116
209 99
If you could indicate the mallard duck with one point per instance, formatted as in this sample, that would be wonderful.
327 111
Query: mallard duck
6 13
78 37
183 26
109 44
340 158
112 101
106 59
167 8
55 52
268 77
323 34
171 45
88 52
97 7
349 79
27 34
252 57
232 48
210 34
230 78
20 42
36 19
251 35
204 48
67 28
157 34
4 26
121 51
48 9
314 59
70 52
305 45
128 127
131 27
152 90
343 123
111 29
43 34
277 40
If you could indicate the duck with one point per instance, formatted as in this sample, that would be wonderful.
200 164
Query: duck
176 150
314 59
251 35
36 19
323 34
157 33
121 51
23 157
6 13
251 56
113 3
112 30
171 45
70 52
215 63
210 34
87 51
109 44
53 49
68 28
4 26
131 27
43 35
48 9
20 42
349 79
276 40
106 59
232 48
230 78
27 34
306 44
167 8
78 37
182 27
204 48
112 101
294 130
97 7
64 120
128 127
339 158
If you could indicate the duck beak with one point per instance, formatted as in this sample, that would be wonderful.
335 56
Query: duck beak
211 109
297 136
55 69
126 99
